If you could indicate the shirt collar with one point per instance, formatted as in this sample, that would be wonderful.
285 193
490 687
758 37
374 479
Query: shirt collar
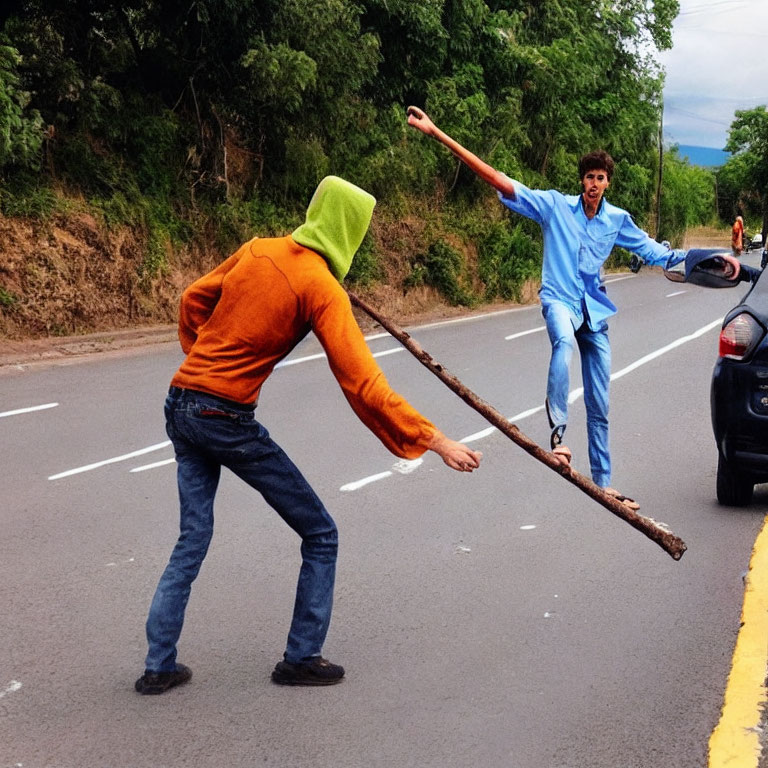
583 208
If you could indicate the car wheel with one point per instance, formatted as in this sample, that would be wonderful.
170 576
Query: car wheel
733 488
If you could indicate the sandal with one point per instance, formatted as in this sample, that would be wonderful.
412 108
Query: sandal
625 500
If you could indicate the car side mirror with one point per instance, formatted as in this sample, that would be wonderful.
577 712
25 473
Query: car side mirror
702 266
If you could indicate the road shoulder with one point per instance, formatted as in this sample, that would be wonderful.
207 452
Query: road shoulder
737 740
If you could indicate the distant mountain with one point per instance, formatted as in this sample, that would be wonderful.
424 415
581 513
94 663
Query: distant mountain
707 157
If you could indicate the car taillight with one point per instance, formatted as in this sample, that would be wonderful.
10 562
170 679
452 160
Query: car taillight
740 336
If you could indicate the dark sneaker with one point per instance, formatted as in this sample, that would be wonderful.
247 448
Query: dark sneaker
152 683
316 671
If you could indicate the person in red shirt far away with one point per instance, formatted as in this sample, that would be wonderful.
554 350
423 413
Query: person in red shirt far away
737 236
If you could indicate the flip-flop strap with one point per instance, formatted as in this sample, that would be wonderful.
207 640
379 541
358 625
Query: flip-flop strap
557 436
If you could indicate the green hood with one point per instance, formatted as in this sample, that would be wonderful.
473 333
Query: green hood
337 219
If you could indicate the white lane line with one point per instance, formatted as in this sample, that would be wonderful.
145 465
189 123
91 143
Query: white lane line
490 430
572 396
298 360
282 364
157 447
478 435
676 293
145 467
14 686
659 352
475 317
360 483
525 333
321 355
544 327
113 460
384 334
389 352
28 410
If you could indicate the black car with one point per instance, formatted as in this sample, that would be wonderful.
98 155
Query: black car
739 392
739 398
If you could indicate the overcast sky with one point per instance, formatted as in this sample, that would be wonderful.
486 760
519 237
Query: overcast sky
719 63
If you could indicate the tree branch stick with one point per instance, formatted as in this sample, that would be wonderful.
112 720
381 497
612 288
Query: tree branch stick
657 532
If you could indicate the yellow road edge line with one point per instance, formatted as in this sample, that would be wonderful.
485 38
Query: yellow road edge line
735 742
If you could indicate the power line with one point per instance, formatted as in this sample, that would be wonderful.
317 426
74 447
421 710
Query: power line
695 116
711 8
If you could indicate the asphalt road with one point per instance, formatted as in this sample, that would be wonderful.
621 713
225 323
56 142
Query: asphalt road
499 619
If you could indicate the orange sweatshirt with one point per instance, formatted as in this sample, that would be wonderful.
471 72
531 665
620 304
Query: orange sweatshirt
238 321
737 234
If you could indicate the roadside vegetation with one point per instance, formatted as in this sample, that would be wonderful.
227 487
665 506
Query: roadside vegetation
142 141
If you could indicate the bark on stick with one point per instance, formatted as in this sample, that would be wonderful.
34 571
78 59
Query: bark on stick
657 532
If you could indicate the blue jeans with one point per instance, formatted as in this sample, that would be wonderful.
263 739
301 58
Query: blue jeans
208 433
596 374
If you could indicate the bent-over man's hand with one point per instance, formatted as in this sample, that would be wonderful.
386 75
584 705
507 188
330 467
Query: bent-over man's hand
456 455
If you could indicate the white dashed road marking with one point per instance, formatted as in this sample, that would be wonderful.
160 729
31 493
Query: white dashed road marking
574 395
14 686
114 460
28 410
153 466
403 467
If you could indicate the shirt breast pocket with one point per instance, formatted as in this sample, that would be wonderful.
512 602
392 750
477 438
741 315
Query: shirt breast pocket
596 250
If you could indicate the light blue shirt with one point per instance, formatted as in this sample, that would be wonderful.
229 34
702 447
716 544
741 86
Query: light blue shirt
576 247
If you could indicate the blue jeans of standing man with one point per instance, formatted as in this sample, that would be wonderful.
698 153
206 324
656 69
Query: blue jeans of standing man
208 433
596 374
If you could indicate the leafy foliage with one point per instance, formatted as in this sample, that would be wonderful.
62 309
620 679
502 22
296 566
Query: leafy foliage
183 119
21 134
744 176
688 198
442 266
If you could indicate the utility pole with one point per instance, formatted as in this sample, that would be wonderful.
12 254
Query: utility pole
661 166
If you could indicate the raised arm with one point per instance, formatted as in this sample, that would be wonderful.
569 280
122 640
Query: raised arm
417 118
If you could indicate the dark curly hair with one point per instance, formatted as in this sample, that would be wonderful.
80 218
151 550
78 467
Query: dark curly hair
596 161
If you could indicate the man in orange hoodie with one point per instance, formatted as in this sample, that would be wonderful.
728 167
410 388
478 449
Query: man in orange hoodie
236 323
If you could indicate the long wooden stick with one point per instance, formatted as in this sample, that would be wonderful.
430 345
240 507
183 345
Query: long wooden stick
657 532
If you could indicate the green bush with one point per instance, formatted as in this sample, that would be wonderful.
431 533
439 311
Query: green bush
7 299
21 128
365 267
441 267
28 196
90 168
238 221
305 165
507 258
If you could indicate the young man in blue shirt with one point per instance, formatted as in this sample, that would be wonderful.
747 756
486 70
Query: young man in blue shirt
579 233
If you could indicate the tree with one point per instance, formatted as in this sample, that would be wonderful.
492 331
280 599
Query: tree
688 197
748 140
21 130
